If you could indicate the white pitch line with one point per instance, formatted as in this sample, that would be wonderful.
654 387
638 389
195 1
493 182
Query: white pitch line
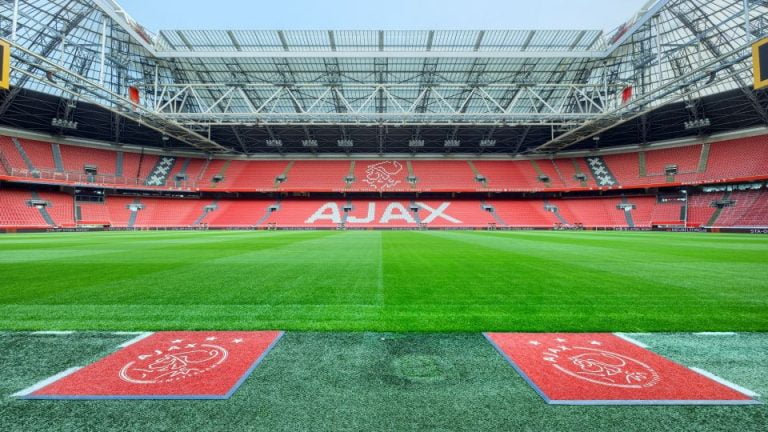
45 382
126 333
630 340
136 339
725 382
715 334
53 332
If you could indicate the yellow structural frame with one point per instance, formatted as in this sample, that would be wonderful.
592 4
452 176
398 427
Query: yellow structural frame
759 84
5 62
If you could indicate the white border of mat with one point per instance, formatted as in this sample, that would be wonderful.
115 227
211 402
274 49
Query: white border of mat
46 381
630 340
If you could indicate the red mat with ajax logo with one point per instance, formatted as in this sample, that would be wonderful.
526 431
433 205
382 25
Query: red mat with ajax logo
603 369
167 365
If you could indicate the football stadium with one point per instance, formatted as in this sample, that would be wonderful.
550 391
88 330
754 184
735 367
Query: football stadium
230 229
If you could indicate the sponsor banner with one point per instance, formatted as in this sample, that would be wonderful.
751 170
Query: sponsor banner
603 369
167 365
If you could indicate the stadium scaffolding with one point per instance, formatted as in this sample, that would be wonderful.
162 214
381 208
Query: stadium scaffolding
191 84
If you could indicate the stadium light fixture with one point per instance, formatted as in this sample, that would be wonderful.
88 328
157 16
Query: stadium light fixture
309 143
416 143
697 124
62 123
488 143
274 143
347 143
452 143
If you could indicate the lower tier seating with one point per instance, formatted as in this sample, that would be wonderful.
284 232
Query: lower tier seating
743 209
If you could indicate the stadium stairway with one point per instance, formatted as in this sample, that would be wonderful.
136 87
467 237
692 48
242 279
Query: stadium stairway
643 164
268 212
556 212
628 214
199 221
23 154
494 213
43 211
134 214
703 158
56 149
479 177
716 215
119 164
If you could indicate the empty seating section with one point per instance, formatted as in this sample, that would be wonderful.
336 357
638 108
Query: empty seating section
381 176
700 208
667 213
309 176
757 216
445 176
12 156
548 168
626 168
746 157
642 214
235 213
245 175
94 213
16 212
467 213
119 214
686 158
60 207
749 210
136 167
296 213
39 153
76 158
510 175
528 213
193 171
158 212
592 212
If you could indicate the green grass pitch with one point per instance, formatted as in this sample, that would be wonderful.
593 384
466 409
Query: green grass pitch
384 281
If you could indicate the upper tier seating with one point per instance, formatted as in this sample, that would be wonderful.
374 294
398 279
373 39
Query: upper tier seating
246 175
444 176
510 175
76 158
727 161
309 176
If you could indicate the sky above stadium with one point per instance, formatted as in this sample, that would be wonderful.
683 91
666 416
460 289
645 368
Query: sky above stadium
381 15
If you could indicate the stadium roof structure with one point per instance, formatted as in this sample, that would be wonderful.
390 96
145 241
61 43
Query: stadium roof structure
677 68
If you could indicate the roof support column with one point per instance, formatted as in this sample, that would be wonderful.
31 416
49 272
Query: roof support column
747 24
15 25
103 48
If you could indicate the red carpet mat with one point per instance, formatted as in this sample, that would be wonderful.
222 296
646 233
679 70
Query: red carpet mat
603 369
166 365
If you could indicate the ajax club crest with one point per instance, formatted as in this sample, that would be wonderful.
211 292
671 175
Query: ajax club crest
381 175
177 362
601 367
